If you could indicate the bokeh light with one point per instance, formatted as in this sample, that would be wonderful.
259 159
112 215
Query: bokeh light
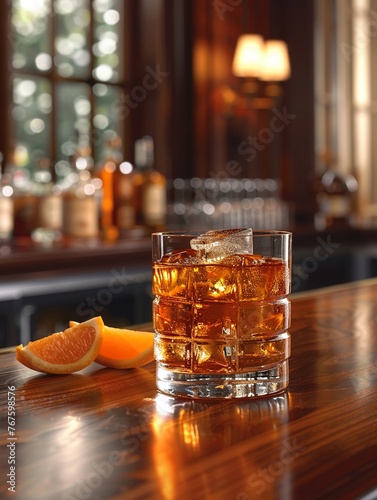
43 61
103 72
36 125
111 17
99 89
101 121
82 106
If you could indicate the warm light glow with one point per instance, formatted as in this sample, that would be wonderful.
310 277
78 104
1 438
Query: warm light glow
248 56
265 60
276 65
7 191
126 167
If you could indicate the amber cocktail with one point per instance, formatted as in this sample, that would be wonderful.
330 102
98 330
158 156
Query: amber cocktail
221 312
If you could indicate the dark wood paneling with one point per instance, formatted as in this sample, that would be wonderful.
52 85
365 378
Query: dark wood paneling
299 30
217 136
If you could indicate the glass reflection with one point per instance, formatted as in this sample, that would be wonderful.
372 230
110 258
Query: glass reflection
187 429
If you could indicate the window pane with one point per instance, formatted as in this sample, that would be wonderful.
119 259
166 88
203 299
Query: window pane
72 55
107 31
30 34
106 116
32 119
73 113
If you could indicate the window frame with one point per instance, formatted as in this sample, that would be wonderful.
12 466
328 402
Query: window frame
129 46
346 112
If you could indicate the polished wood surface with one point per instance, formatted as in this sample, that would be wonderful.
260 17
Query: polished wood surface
108 434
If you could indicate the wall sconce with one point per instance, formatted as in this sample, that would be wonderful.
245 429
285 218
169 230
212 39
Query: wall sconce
276 67
248 59
267 60
261 64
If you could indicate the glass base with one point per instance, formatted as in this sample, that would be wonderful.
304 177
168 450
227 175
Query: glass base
224 385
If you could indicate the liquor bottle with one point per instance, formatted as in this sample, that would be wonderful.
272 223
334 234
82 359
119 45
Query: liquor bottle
117 211
80 199
6 208
150 188
123 188
334 196
49 207
105 172
24 204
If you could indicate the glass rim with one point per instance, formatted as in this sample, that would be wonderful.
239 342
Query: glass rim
257 232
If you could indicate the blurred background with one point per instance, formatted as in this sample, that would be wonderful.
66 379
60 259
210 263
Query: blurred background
169 114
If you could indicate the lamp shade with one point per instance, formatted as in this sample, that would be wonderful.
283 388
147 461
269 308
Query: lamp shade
248 56
276 66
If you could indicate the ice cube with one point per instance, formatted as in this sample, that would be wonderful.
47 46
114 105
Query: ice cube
218 244
184 257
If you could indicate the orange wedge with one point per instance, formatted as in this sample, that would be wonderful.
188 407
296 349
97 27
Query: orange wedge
64 352
124 348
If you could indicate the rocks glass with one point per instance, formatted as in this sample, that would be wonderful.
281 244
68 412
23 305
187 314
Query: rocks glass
221 312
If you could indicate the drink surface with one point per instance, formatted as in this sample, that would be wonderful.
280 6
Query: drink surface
226 316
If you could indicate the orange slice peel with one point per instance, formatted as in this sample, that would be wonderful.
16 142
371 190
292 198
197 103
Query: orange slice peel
124 348
64 352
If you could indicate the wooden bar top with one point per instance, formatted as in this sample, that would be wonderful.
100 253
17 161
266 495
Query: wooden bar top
107 434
